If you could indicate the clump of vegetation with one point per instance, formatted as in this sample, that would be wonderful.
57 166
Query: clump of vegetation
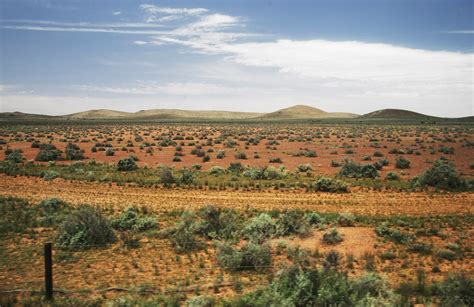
126 164
85 228
52 212
392 176
73 152
332 237
260 228
250 257
354 170
346 219
402 163
292 222
216 223
48 152
326 184
131 219
393 234
443 175
183 234
15 156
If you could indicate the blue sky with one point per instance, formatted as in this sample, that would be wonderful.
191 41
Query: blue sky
66 56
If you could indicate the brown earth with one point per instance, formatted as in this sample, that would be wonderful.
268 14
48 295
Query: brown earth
359 201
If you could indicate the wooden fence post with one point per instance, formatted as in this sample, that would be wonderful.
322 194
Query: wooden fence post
48 271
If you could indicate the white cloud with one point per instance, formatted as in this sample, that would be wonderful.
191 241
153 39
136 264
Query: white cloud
459 32
117 13
155 13
140 42
153 9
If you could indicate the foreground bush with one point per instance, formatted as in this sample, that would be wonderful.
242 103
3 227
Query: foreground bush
295 286
354 170
48 152
85 228
127 164
15 156
183 234
260 228
130 219
326 184
249 257
443 175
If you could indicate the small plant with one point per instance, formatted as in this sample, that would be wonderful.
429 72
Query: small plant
346 219
73 152
85 228
109 152
332 237
240 155
402 163
392 176
126 164
130 219
250 256
442 175
326 184
48 152
15 156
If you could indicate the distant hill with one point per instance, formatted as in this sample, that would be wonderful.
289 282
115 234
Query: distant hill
176 113
292 113
20 115
395 114
305 112
99 114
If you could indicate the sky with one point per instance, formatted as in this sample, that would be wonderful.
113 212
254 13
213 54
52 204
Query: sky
65 56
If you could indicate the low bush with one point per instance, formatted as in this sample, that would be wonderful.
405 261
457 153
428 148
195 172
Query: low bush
393 234
260 228
326 184
346 219
392 176
443 175
126 164
402 163
131 219
73 152
15 156
249 257
292 222
48 152
85 228
354 170
332 237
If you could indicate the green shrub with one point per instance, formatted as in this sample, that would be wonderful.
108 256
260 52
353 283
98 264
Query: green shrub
240 155
216 170
73 152
15 156
346 219
166 176
260 228
332 237
185 176
52 212
48 152
305 168
109 152
15 215
220 154
85 228
447 254
393 234
456 290
130 219
402 163
292 222
392 176
354 170
183 234
442 175
326 184
249 257
127 164
314 219
216 223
